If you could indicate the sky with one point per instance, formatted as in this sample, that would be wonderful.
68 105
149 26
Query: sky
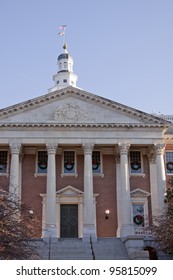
122 49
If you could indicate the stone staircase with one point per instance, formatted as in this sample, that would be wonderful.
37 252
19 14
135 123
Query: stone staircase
70 249
75 249
109 249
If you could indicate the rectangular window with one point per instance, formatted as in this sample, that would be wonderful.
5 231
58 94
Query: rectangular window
138 215
135 162
69 162
3 161
42 162
65 81
96 162
169 162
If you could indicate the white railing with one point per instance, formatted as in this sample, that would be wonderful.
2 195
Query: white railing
143 231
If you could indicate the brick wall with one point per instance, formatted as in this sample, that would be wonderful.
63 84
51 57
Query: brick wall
32 186
105 187
142 182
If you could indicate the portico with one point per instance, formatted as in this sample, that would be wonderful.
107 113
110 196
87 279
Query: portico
71 151
85 197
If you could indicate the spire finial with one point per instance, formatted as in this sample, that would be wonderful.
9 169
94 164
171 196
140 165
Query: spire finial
65 48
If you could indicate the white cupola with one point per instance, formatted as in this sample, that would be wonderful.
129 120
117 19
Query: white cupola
65 76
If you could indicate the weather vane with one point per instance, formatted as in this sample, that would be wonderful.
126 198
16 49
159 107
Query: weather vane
62 32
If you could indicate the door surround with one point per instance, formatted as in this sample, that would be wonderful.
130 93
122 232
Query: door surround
68 195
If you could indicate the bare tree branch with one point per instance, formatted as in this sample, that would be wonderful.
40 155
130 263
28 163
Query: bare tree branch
162 227
18 225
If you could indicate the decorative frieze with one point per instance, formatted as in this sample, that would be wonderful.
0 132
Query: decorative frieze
49 124
70 113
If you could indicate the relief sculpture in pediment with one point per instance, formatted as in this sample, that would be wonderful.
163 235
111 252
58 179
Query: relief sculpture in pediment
70 112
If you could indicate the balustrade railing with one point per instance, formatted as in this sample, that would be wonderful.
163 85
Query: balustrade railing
143 231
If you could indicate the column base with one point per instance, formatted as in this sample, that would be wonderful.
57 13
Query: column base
89 234
50 231
119 232
127 230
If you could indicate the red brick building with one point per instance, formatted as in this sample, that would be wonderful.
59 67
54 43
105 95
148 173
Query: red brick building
88 166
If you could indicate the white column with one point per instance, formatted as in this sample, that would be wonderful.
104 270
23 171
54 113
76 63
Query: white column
161 176
127 228
51 229
118 195
89 227
80 219
153 181
14 186
21 155
58 216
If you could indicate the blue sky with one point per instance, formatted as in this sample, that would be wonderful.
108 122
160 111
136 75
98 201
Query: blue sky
122 49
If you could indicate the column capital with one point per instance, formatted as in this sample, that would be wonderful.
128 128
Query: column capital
117 158
151 155
15 148
51 148
117 154
88 148
159 148
123 148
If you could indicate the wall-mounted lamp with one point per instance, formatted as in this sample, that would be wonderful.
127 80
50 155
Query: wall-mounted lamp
31 212
107 212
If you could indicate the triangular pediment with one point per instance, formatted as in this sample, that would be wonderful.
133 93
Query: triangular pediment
139 193
74 106
69 191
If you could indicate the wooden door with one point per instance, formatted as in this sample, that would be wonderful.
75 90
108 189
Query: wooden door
69 220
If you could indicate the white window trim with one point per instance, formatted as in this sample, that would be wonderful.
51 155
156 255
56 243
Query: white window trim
37 174
168 174
139 196
142 164
6 174
62 165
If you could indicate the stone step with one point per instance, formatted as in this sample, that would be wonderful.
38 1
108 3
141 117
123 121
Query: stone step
71 249
110 249
75 249
58 257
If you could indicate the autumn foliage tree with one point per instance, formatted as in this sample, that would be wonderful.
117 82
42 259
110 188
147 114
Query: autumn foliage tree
18 225
162 227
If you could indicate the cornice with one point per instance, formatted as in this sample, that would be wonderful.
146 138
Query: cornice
78 93
80 125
